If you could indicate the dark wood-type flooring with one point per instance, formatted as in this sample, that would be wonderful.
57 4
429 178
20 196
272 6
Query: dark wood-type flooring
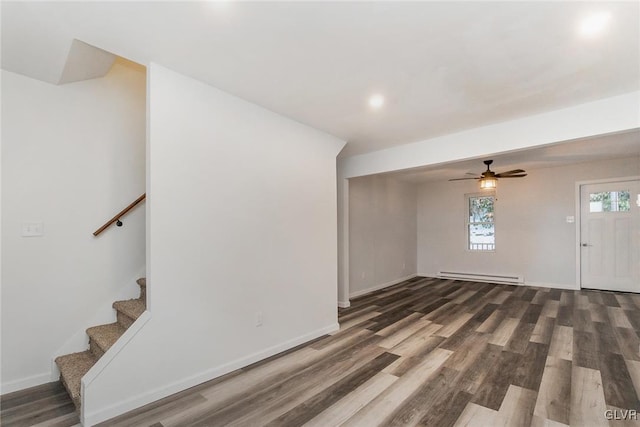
431 352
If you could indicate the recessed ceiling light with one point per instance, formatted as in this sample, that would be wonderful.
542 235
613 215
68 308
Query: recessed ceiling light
376 101
594 24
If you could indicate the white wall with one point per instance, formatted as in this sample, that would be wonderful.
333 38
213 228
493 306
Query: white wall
532 235
72 156
382 232
242 219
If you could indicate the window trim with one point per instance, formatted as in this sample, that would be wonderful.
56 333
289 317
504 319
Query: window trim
467 242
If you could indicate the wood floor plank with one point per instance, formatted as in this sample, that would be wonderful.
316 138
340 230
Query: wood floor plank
500 298
585 350
531 366
545 422
400 325
452 327
619 318
582 302
517 408
464 356
17 398
565 316
482 366
628 343
633 316
626 302
503 333
416 342
386 403
417 326
609 299
634 372
532 313
554 395
426 352
492 322
69 420
412 409
446 410
543 330
346 407
606 338
496 383
598 313
269 402
562 343
587 398
520 337
330 395
476 416
618 387
550 308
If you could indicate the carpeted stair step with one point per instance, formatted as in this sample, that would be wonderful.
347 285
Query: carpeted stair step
102 337
143 288
128 311
72 369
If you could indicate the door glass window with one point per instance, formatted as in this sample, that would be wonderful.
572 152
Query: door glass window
610 201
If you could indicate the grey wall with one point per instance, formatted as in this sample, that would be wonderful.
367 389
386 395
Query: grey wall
532 235
382 232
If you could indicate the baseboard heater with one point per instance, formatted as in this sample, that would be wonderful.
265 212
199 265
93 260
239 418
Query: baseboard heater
480 277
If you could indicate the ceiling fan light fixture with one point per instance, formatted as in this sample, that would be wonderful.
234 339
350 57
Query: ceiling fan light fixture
488 183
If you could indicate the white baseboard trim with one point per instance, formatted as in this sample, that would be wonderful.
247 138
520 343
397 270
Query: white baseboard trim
382 286
344 304
553 285
23 383
529 283
159 393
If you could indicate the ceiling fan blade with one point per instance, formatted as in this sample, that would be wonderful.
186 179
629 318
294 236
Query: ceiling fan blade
512 176
510 172
470 173
460 179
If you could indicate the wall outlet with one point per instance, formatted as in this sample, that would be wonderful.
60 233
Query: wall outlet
404 266
258 319
363 274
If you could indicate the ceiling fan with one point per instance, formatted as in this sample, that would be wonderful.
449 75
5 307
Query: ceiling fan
489 179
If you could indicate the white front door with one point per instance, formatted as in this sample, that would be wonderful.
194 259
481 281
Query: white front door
610 236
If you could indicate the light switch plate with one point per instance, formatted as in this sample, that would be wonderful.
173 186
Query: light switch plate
32 229
571 219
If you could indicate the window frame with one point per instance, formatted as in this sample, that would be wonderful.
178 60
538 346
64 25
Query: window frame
467 222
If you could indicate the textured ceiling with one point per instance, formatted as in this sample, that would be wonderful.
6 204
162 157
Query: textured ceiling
442 66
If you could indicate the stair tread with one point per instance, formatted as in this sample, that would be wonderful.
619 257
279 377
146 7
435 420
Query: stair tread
106 335
142 281
132 308
72 368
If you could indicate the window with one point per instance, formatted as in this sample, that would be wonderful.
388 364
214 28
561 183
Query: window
610 201
480 223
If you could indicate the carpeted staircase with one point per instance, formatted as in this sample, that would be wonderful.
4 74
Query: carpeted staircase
101 338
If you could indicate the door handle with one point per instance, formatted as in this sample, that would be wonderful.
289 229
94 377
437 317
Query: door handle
584 245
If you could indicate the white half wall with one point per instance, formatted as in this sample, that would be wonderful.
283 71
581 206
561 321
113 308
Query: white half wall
533 237
382 232
72 156
242 227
